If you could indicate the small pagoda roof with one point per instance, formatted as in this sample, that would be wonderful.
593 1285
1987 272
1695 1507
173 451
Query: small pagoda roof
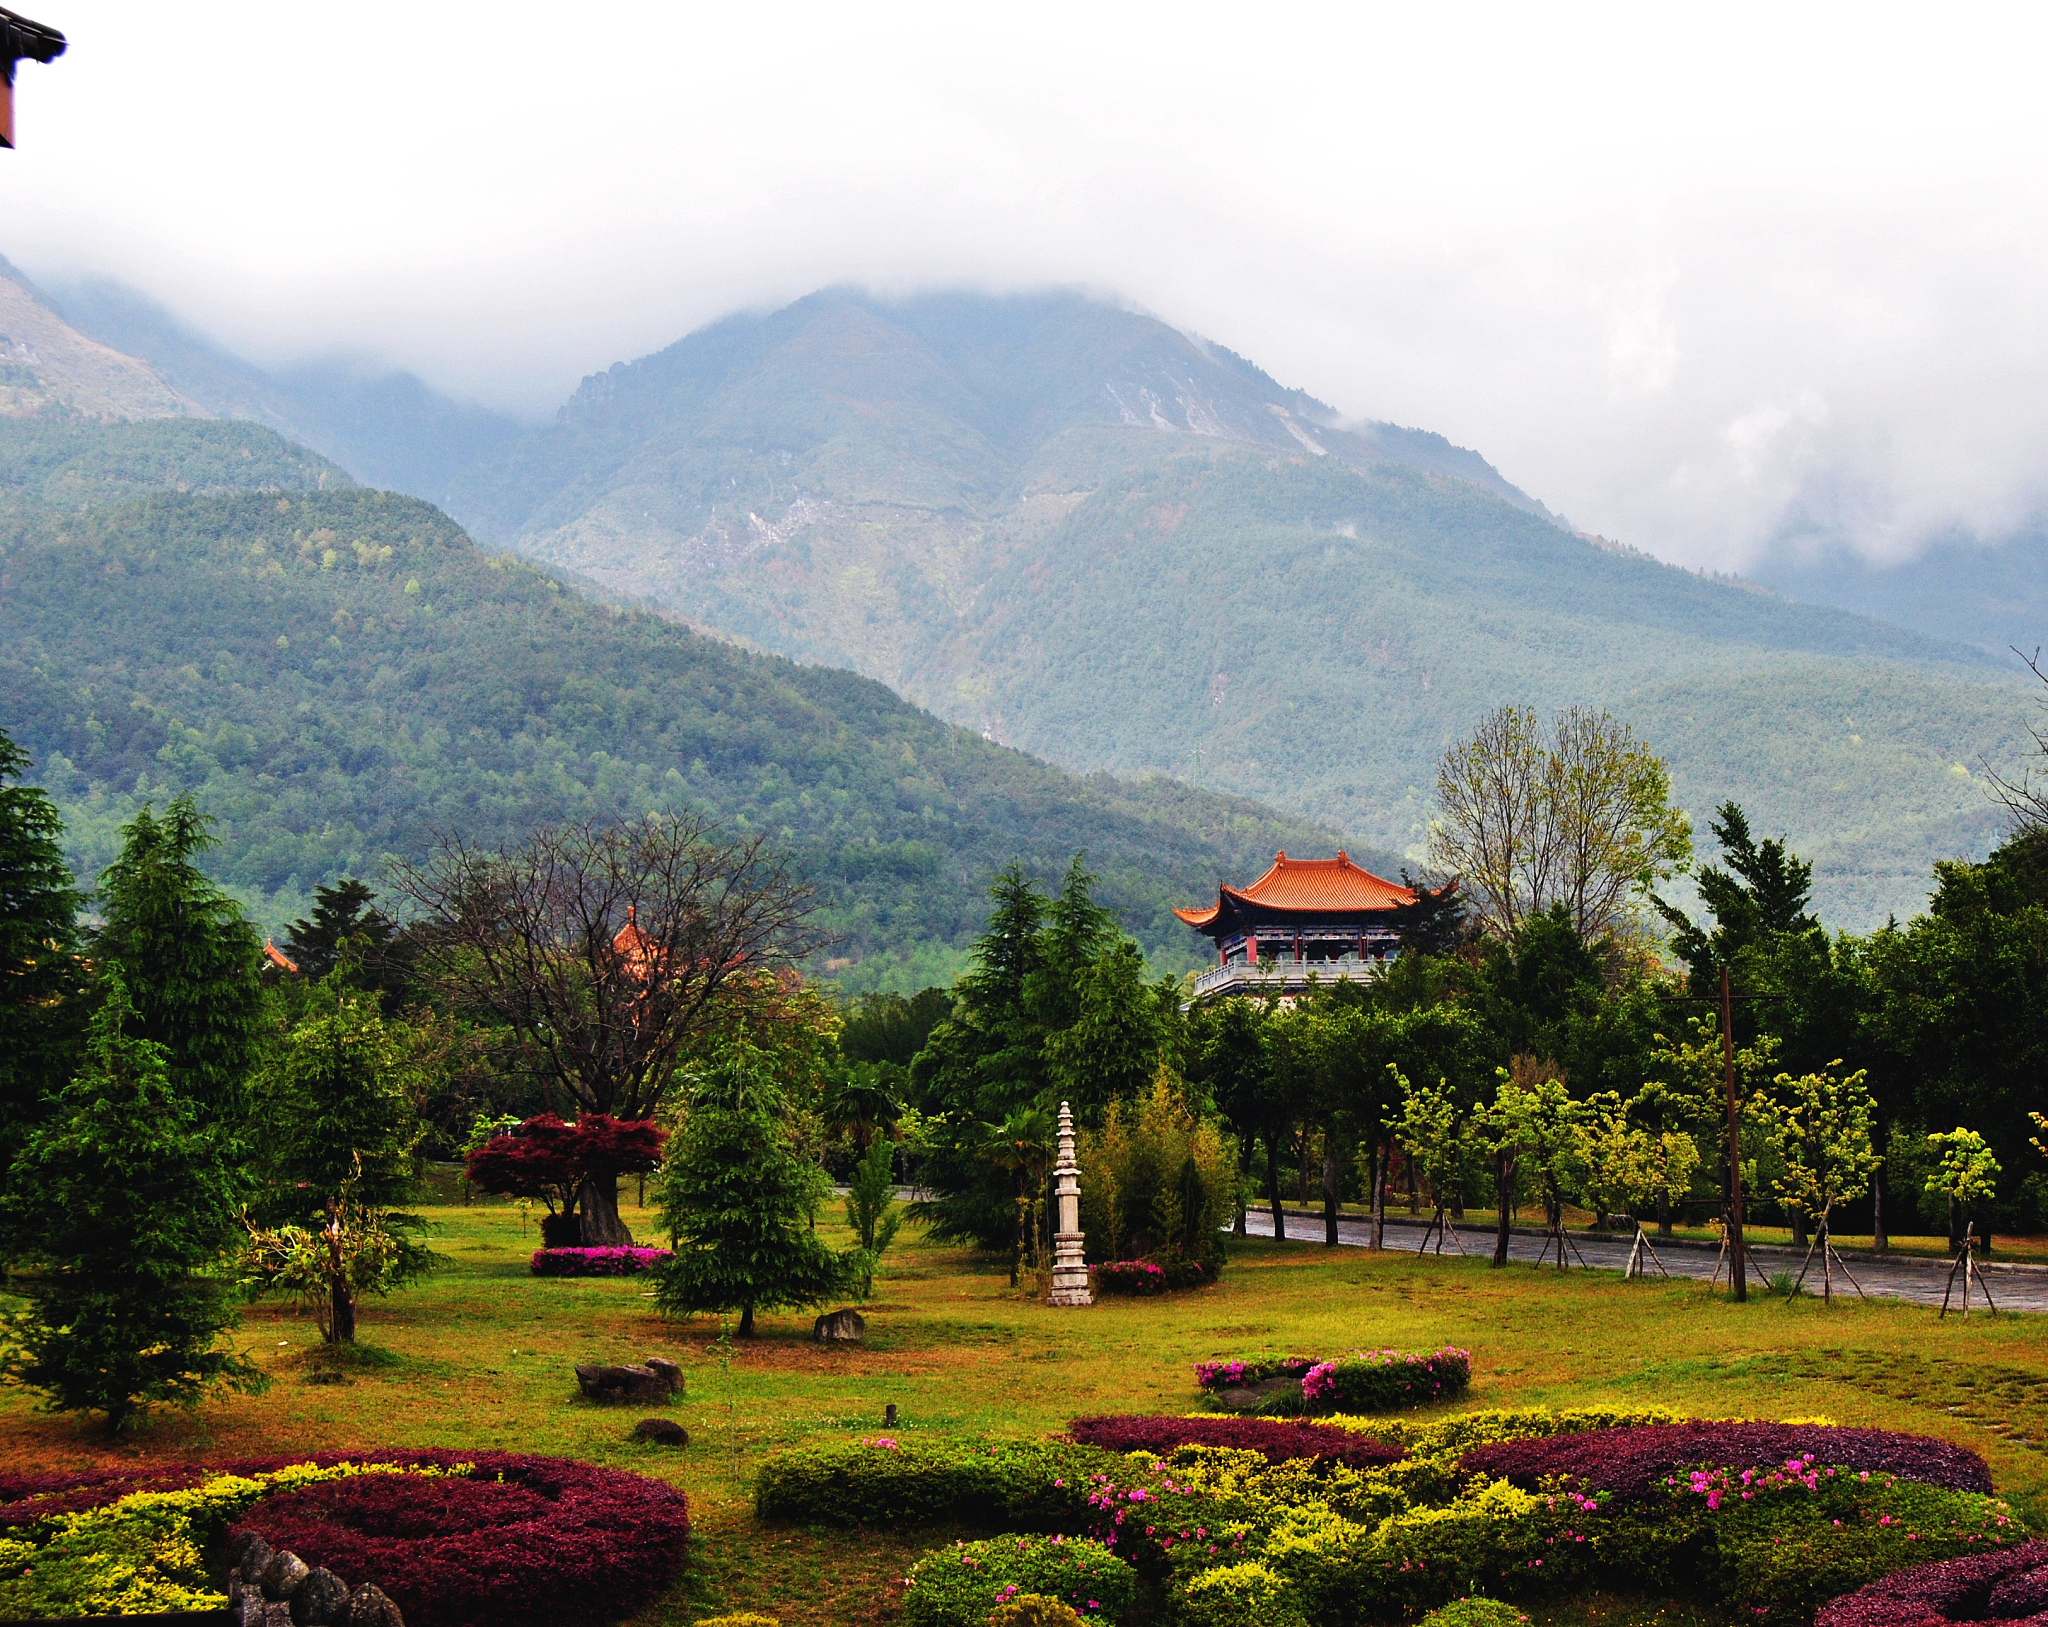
1305 887
19 37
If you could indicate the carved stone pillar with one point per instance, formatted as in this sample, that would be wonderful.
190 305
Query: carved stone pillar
1069 1268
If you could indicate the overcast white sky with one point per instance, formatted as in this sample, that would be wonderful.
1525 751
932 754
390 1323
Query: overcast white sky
1697 277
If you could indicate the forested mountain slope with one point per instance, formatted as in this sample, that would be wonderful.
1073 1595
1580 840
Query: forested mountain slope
47 366
1093 537
339 674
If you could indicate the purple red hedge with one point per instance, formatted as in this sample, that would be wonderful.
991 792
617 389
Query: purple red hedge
520 1541
1631 1462
1999 1589
1278 1441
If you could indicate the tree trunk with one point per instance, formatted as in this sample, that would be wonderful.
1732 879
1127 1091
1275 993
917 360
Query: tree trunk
1244 1167
1955 1227
1273 1186
1504 1186
747 1322
1332 1187
1379 1193
1880 1240
1663 1213
598 1201
341 1312
1414 1197
1798 1218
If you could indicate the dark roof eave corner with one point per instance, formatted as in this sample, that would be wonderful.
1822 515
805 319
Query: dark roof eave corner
24 37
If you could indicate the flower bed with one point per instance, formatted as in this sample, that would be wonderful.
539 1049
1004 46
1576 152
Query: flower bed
595 1262
1999 1589
453 1538
1276 1442
960 1585
1635 1462
1240 1374
1381 1380
1138 1278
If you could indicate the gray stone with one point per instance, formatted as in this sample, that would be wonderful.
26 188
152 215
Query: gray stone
321 1600
255 1555
631 1383
369 1607
276 1613
282 1576
839 1327
1276 1394
671 1374
662 1431
247 1610
239 1545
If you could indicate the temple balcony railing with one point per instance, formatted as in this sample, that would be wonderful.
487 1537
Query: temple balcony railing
1285 977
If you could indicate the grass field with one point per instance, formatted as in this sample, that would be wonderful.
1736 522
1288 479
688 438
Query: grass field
480 1357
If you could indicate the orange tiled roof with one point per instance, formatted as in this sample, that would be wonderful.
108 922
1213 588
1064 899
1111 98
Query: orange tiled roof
1310 886
278 958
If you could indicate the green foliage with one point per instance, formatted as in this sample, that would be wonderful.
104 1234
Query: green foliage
335 675
737 1200
1474 1612
1818 1128
985 1485
1967 1171
1155 1165
121 1205
189 955
41 978
961 1585
72 464
1034 1610
872 1212
1242 1595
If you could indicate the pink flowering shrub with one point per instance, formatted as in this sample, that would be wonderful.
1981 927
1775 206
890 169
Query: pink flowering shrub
1239 1373
1634 1461
595 1262
1134 1278
1382 1380
960 1585
1277 1442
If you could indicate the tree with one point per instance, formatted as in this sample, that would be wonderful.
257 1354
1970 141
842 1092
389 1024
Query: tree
1578 816
872 1212
1819 1126
122 1205
1686 1089
544 1158
737 1200
1022 1147
42 981
347 930
1438 1133
606 951
1967 1174
338 1107
190 957
1111 1048
1763 894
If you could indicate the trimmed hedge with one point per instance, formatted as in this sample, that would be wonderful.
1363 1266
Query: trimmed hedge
1239 1373
996 1485
1635 1462
506 1538
1276 1442
1142 1278
1993 1589
1381 1380
960 1586
595 1262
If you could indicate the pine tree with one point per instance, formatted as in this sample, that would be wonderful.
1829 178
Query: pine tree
124 1203
191 959
737 1200
41 978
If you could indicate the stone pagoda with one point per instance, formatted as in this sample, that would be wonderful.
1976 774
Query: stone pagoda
1069 1268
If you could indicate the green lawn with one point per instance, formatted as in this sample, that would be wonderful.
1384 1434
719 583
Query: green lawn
480 1356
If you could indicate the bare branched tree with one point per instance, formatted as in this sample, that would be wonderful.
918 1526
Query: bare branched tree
2026 798
1579 816
605 950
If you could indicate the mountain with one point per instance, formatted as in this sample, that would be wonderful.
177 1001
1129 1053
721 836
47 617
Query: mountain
69 464
337 675
386 428
50 369
1990 594
1089 535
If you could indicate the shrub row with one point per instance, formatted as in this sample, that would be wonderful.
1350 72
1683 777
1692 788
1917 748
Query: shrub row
2006 1586
506 1537
883 1481
1635 1462
1381 1380
959 1586
595 1262
1238 1373
1139 1278
1275 1441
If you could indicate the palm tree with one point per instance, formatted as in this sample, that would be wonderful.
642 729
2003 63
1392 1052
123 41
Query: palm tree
862 1105
1023 1143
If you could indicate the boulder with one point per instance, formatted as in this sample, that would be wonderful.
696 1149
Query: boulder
631 1383
1279 1394
839 1327
671 1374
255 1555
282 1576
276 1613
247 1610
321 1600
368 1606
661 1431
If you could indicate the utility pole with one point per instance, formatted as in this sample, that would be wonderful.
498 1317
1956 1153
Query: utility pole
1737 1260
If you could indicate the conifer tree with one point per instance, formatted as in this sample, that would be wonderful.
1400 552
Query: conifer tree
123 1205
191 959
737 1199
41 978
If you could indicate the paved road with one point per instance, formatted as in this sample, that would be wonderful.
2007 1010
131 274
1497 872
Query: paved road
2013 1287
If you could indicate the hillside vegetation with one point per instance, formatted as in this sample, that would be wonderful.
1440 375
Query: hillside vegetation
1088 535
338 675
